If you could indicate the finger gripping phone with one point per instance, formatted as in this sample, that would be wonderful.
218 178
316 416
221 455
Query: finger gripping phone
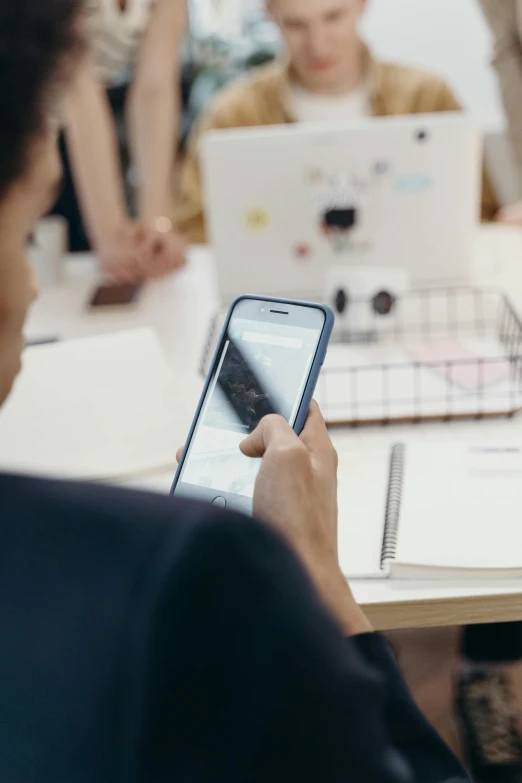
268 360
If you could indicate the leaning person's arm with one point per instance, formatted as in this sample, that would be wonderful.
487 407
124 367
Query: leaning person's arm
153 108
93 149
503 19
248 676
445 100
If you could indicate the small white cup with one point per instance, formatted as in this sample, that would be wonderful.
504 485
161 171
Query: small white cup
48 251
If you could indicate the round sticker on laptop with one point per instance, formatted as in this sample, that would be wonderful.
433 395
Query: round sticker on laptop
315 176
257 219
303 251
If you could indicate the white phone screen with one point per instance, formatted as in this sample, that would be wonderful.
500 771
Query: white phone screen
263 368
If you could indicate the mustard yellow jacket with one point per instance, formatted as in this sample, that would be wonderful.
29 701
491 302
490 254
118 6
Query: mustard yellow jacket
262 98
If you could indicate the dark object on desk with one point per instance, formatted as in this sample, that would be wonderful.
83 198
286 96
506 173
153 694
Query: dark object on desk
130 622
115 295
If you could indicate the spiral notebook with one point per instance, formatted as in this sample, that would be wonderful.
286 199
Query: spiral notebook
432 511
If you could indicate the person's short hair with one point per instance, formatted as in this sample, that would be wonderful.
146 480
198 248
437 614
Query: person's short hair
39 41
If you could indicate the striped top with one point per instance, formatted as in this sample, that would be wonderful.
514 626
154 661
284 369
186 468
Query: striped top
505 20
116 37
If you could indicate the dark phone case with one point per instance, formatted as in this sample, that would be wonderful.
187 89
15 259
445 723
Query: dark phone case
312 379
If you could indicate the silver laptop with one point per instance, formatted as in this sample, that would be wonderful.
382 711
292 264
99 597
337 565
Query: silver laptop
285 203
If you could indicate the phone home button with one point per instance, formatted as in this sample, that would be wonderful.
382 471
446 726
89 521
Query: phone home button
219 502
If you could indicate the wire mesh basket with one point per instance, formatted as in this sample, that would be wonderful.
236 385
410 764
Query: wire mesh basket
436 354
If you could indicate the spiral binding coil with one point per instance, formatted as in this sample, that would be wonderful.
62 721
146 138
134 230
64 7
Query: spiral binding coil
393 505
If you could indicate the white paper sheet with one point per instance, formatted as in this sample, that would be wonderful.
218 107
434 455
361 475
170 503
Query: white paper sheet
457 519
363 489
96 408
388 385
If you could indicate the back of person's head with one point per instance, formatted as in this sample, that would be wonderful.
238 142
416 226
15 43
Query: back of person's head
40 41
38 38
322 40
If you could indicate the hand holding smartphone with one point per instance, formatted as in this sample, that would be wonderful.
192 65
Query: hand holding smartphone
267 361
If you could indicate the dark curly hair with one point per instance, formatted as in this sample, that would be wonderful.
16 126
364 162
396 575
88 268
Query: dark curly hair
39 42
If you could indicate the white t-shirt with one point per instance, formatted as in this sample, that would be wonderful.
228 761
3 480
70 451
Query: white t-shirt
115 37
311 107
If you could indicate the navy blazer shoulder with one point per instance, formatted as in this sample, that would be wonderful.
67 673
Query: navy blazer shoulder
149 639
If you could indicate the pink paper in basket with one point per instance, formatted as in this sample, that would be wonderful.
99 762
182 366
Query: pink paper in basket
465 369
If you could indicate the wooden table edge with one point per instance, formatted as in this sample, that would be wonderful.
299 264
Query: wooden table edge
445 612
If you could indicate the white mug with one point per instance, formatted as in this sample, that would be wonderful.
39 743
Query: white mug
48 250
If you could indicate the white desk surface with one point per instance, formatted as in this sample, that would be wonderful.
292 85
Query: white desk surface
179 309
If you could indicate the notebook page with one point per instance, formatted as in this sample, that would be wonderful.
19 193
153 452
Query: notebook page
363 489
457 513
94 408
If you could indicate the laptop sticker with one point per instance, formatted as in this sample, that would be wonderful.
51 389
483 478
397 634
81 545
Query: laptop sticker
315 176
303 251
341 198
340 204
257 219
381 167
413 183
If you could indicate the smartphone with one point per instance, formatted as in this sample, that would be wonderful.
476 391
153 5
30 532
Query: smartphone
267 361
120 295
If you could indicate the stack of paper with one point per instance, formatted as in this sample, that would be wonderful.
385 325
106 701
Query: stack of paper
397 381
98 408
